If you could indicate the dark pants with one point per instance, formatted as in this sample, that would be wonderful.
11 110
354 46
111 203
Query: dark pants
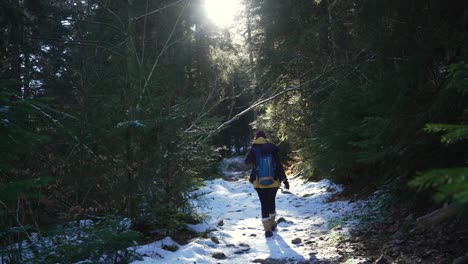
267 200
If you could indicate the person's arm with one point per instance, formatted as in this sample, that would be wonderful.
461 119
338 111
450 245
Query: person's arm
250 158
279 166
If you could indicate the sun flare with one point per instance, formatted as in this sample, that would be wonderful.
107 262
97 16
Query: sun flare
222 12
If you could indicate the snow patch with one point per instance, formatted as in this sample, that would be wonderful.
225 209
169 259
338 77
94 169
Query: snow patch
234 219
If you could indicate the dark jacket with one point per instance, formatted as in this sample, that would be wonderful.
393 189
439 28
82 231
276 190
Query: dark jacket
262 145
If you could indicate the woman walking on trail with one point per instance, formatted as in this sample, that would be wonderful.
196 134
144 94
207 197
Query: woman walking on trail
266 176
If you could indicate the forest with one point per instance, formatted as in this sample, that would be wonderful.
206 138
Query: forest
117 111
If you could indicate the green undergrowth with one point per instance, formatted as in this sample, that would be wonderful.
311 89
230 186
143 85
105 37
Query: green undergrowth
102 240
158 227
109 240
375 211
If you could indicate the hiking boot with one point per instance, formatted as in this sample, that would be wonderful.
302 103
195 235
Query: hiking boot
267 226
273 224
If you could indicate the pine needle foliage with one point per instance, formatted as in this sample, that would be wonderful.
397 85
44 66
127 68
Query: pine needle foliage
373 77
451 133
450 184
105 110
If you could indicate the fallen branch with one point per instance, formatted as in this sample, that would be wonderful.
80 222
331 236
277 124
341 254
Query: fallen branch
291 88
437 216
223 125
248 109
203 114
234 118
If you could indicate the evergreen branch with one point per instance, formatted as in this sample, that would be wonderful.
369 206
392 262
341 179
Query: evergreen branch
453 133
56 122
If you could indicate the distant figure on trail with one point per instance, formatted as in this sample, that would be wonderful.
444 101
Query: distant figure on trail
266 176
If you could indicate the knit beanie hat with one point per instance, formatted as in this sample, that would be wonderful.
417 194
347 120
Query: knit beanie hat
260 134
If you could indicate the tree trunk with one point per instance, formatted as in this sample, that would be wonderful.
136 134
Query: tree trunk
13 44
249 40
331 36
132 87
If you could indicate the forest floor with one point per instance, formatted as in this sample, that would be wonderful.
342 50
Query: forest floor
311 228
317 223
401 236
397 240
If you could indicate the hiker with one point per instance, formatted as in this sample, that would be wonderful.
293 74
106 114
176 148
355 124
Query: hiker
266 176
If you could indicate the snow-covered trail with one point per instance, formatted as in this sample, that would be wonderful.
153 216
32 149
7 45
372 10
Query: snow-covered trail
237 234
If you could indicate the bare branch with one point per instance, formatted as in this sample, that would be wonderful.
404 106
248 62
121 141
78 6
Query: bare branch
158 10
18 221
143 47
210 109
132 44
84 43
85 21
165 47
57 111
112 13
56 122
